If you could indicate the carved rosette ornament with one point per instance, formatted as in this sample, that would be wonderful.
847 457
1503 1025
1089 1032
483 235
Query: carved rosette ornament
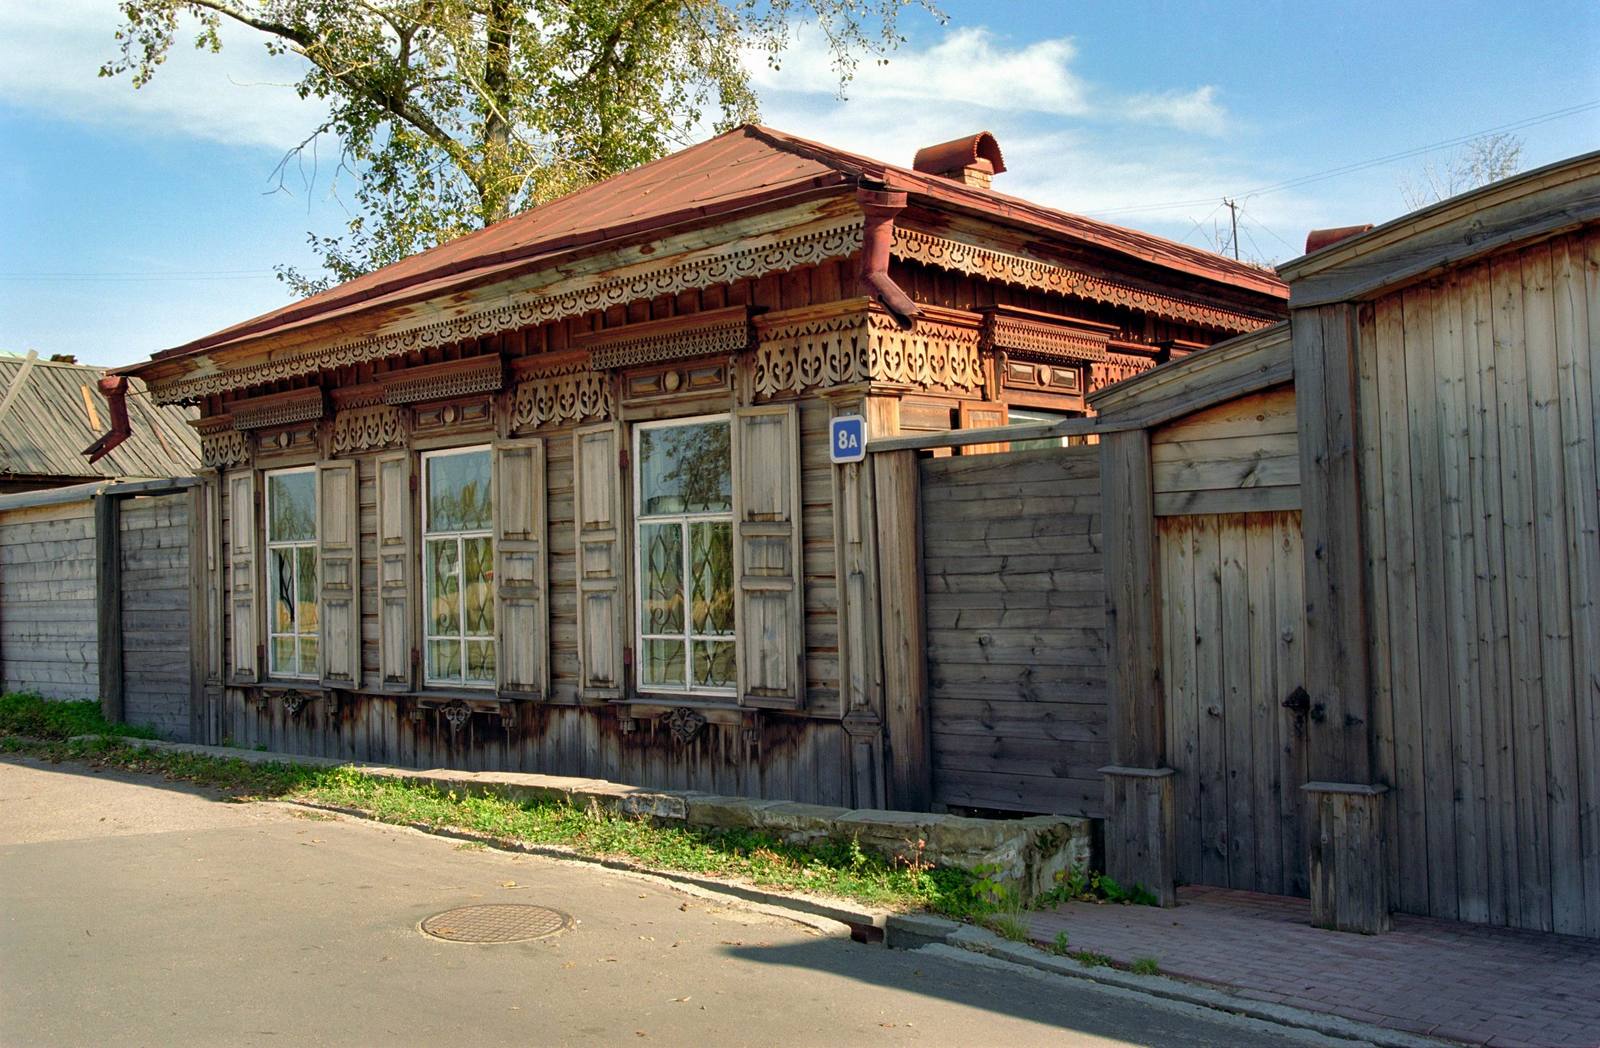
571 395
373 428
685 723
526 309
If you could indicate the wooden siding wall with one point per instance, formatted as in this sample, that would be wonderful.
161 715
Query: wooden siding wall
1233 616
1015 599
1480 402
47 601
156 613
1237 457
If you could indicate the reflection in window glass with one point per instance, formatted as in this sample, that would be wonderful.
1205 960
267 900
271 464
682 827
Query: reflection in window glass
684 553
292 572
458 568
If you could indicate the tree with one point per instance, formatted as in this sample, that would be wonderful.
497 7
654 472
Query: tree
1477 162
451 114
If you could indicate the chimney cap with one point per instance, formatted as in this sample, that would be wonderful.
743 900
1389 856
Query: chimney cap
1318 239
958 154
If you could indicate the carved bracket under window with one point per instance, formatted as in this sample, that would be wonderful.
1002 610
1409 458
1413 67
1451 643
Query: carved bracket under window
457 714
685 723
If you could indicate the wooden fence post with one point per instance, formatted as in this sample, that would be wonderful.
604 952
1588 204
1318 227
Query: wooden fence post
1140 820
108 602
1344 806
905 662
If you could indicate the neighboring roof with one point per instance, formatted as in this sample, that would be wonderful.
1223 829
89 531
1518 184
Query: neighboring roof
59 410
742 168
1537 203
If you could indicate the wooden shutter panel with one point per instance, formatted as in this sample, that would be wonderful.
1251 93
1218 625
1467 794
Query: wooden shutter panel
397 564
769 601
521 611
244 578
982 414
597 512
339 575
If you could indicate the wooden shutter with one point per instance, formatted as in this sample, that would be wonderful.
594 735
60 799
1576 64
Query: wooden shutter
521 612
244 577
982 414
339 575
397 564
597 511
769 601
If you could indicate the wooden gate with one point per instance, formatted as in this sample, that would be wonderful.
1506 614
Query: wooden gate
1233 619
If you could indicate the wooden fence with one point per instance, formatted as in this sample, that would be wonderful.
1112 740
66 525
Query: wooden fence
95 599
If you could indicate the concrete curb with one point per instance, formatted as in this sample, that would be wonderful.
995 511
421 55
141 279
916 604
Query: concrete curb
920 931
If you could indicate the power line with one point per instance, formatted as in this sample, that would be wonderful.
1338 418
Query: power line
1361 165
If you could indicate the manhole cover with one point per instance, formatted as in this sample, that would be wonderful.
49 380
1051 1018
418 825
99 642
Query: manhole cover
498 922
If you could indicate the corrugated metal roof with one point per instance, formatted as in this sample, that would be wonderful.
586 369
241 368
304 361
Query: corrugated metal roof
746 166
49 423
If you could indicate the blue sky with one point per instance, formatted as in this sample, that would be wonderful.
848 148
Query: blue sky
134 221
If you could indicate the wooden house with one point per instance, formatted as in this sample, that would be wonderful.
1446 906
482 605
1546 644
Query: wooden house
557 496
1353 572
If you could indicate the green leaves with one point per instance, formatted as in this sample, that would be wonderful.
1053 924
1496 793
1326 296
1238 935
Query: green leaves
452 114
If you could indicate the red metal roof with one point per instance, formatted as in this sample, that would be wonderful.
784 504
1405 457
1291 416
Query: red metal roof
748 166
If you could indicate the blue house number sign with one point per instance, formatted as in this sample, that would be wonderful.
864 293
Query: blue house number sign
847 439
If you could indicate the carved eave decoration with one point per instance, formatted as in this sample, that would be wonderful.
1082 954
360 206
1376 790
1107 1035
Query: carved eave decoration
1042 339
988 263
858 341
714 332
775 242
560 394
1116 367
221 445
452 378
279 409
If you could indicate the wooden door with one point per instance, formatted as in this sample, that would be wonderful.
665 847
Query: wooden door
1233 619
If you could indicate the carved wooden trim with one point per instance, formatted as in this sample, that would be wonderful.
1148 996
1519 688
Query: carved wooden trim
737 262
221 445
1116 367
675 380
940 352
719 331
452 378
368 429
856 341
990 264
279 409
568 395
1041 338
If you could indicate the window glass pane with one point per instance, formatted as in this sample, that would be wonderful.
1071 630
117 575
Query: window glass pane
713 664
685 469
444 595
662 549
291 507
663 663
459 492
711 568
444 660
480 661
283 657
280 572
478 587
306 599
308 655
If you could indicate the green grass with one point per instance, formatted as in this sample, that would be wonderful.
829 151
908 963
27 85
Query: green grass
1090 959
842 870
1146 966
1007 926
23 713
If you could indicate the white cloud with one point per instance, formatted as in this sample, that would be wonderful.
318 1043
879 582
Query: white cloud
1195 110
51 54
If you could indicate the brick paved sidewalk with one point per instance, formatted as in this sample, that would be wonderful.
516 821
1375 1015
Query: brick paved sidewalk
1461 982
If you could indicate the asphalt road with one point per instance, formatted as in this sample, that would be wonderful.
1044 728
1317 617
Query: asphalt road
139 912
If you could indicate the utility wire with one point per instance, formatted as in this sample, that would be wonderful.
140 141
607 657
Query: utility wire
1361 165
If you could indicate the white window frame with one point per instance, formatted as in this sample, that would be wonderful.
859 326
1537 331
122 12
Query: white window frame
640 518
461 635
268 587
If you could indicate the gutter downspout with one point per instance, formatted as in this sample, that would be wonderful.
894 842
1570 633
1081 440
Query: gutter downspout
880 206
115 388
